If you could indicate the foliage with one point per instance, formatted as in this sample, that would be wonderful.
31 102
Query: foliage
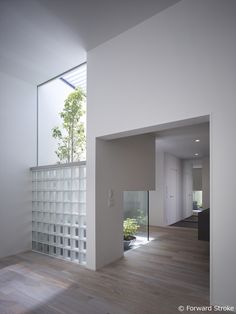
71 137
138 215
130 227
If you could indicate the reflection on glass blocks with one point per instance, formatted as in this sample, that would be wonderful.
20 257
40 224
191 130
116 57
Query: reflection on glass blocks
59 212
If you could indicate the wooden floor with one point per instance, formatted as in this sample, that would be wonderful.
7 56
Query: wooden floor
169 271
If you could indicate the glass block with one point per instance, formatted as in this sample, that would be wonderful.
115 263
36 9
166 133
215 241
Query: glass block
75 257
74 232
39 247
46 249
82 172
82 258
35 205
53 228
34 196
45 196
75 196
40 196
39 175
59 174
59 212
46 228
34 246
52 217
34 215
67 231
67 254
59 219
40 206
82 233
67 208
58 252
75 220
46 206
75 185
51 239
39 185
82 196
82 221
82 208
59 241
34 185
75 172
46 175
53 207
82 246
40 216
59 196
34 226
46 238
67 242
51 250
34 175
67 196
40 237
54 250
67 219
75 244
34 236
46 217
59 208
58 229
53 197
67 185
60 185
67 173
82 184
75 208
52 174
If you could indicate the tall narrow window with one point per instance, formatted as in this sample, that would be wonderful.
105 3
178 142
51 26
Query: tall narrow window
62 118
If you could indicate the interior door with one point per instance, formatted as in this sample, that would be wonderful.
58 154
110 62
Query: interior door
188 189
171 196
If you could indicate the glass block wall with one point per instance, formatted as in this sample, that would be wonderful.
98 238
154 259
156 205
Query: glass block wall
59 211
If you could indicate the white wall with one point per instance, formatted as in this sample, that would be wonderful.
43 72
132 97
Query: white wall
51 97
121 165
18 153
179 64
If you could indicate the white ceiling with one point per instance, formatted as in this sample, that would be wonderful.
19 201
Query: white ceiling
180 141
40 39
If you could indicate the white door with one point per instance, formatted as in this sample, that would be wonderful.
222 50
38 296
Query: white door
171 197
187 189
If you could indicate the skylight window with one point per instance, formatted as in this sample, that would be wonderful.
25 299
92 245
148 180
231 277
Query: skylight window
77 77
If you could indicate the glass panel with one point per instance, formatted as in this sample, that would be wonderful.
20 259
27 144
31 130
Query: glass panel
135 204
51 100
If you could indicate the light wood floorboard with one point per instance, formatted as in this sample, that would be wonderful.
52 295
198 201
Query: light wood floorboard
169 271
